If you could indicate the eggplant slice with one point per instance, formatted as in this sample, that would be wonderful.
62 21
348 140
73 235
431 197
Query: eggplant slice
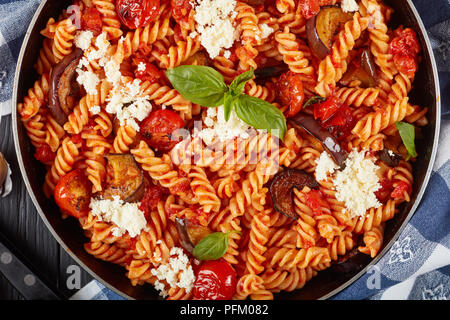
124 178
362 70
313 127
61 86
281 189
321 29
390 158
190 233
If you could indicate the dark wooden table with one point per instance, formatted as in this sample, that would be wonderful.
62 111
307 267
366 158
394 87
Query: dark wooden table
22 225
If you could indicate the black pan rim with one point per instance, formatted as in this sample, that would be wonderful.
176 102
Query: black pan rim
15 119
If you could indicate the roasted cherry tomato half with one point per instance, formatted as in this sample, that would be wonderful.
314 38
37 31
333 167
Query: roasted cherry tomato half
157 129
153 194
400 189
73 194
137 13
145 70
181 10
405 49
309 8
44 154
92 20
290 92
216 280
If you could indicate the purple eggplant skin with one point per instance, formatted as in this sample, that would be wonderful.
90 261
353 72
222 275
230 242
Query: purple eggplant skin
55 80
281 189
268 72
313 127
321 29
390 158
182 229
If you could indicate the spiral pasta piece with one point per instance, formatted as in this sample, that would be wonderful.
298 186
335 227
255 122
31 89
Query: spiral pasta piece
286 258
293 56
358 96
379 39
257 243
63 39
142 38
80 114
124 138
63 163
161 170
111 22
334 65
46 59
37 96
379 120
107 252
53 133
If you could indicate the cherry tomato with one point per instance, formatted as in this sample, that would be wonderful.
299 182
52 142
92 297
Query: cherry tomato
290 91
44 154
137 13
181 10
149 202
405 49
336 117
156 129
309 8
145 70
405 64
92 20
325 110
384 192
73 194
315 200
400 189
216 280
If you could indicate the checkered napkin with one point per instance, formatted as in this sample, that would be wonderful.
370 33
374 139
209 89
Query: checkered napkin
418 264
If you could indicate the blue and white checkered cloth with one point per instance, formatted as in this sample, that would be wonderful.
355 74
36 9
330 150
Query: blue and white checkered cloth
417 267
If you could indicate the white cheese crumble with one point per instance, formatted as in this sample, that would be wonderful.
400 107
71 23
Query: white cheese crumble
88 80
128 104
218 127
265 30
141 66
102 45
214 23
349 6
83 39
126 216
95 109
325 166
357 183
177 272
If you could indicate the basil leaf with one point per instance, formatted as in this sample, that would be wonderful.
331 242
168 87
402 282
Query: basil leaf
407 133
211 247
313 100
238 83
199 84
260 114
227 105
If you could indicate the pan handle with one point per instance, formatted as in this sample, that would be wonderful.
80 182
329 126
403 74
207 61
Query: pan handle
29 285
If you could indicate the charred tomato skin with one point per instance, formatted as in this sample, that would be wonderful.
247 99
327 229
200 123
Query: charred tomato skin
137 13
73 194
157 129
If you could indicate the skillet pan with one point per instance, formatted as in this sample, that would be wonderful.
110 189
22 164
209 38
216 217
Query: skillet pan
328 282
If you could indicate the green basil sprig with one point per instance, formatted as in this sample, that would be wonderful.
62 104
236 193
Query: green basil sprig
407 133
212 247
205 86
